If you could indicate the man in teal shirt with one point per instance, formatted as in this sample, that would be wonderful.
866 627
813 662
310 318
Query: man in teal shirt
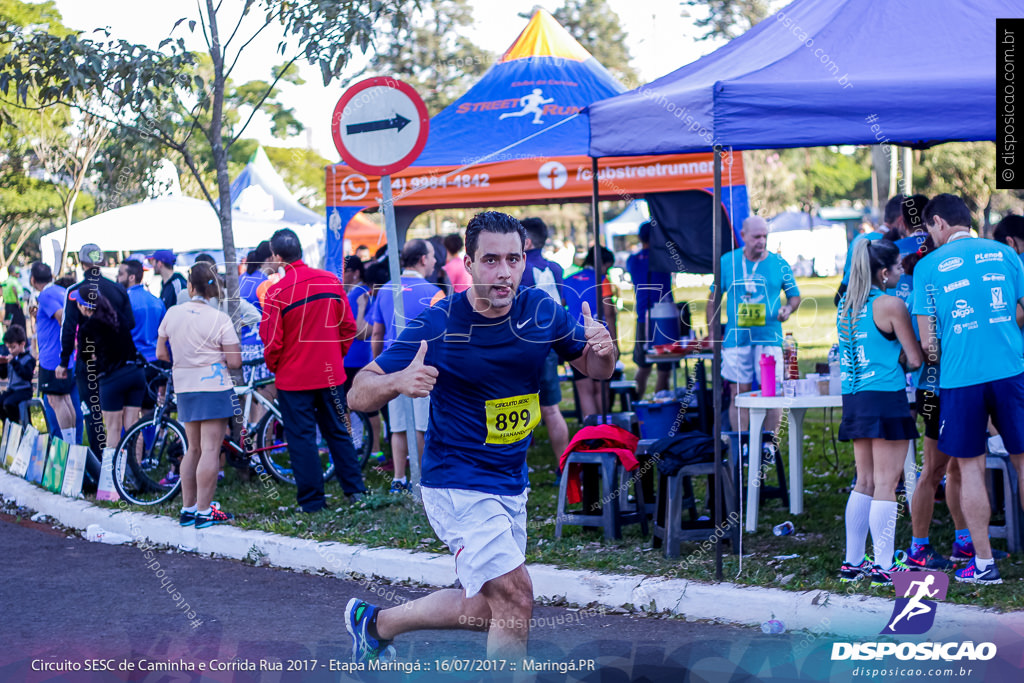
752 278
966 294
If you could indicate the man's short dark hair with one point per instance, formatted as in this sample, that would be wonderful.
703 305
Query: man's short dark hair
536 230
414 251
893 209
453 243
492 221
41 273
285 244
376 274
355 263
134 269
607 258
912 209
949 208
644 232
15 334
1011 226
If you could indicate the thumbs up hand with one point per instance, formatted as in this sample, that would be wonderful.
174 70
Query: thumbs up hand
598 338
418 380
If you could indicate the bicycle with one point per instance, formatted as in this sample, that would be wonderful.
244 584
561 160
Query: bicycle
153 447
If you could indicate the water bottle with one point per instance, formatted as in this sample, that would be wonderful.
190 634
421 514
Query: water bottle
784 529
835 386
767 375
789 361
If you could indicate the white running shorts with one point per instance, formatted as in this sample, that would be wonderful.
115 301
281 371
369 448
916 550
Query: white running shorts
485 531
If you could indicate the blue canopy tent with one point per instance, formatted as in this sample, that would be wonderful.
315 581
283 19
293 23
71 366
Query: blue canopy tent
915 73
820 73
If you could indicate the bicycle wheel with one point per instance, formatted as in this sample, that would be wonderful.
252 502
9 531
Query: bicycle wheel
151 449
273 450
362 436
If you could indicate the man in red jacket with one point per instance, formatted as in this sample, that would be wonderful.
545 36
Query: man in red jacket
306 329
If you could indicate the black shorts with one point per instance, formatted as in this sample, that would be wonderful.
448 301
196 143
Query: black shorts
124 387
49 384
927 406
877 415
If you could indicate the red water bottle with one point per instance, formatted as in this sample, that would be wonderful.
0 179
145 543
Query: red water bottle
789 361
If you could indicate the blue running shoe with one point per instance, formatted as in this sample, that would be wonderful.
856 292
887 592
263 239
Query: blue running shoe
853 572
187 519
970 574
365 648
963 552
216 516
882 578
927 558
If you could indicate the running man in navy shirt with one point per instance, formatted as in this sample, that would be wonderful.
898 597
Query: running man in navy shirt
479 355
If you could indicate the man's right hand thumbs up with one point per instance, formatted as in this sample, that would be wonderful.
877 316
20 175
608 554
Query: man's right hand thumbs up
417 379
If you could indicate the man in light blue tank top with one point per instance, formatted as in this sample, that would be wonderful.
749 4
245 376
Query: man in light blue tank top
967 293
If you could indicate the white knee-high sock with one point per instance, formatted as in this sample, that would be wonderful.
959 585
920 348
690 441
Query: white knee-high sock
70 435
883 531
858 509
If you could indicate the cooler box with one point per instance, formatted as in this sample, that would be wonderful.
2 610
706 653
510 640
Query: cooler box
657 419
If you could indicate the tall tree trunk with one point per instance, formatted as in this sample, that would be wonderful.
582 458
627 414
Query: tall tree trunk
220 160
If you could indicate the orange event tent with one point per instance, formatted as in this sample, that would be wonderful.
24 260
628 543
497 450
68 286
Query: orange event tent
516 138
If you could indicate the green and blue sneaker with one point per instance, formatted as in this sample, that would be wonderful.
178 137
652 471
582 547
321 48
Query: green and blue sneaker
365 648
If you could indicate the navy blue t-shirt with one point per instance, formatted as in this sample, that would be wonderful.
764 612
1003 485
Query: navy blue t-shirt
485 403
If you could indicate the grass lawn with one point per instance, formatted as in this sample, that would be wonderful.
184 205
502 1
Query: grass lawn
382 520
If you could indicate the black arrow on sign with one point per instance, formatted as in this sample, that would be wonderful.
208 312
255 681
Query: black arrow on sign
398 123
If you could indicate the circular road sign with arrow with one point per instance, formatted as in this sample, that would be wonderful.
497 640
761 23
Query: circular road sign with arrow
380 126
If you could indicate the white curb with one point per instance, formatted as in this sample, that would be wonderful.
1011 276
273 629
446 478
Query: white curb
816 611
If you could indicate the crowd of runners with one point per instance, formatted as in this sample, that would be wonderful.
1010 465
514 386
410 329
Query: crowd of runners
488 321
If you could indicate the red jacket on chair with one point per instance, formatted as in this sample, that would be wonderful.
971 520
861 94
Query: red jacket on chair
602 438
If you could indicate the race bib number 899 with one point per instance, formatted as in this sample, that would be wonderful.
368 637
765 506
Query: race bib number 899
512 419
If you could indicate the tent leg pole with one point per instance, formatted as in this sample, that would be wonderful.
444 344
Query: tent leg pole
716 362
598 269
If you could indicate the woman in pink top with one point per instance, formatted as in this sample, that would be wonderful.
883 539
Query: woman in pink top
455 266
205 346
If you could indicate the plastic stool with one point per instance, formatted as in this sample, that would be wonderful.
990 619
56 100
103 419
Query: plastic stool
735 449
1009 496
615 510
625 390
675 493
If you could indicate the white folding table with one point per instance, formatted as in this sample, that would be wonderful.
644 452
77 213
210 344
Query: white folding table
797 406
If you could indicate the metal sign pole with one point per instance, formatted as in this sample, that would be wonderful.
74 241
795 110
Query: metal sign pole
395 271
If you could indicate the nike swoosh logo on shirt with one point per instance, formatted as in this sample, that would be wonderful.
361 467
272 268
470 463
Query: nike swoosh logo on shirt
519 326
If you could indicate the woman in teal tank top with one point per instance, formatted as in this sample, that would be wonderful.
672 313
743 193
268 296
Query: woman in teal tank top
876 348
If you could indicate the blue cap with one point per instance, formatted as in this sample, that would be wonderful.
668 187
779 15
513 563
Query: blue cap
164 256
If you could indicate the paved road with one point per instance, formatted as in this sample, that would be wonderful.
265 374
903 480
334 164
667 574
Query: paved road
67 601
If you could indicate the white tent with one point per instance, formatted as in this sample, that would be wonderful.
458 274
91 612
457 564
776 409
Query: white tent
181 224
809 243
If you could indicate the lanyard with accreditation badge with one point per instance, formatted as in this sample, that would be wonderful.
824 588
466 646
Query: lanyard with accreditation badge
750 314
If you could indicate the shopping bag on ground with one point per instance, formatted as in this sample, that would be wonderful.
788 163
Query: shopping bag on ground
3 442
106 490
24 454
37 462
12 437
74 471
53 475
